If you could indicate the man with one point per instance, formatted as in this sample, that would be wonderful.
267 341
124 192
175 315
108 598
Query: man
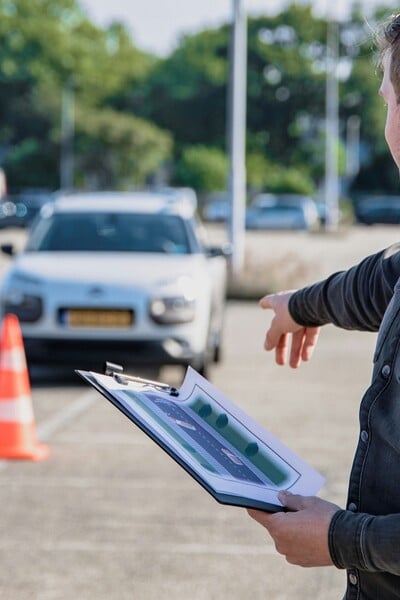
364 538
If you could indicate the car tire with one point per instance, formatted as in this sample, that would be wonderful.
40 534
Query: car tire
204 370
217 354
202 364
217 349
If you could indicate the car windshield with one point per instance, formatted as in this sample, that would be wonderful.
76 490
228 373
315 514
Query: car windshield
110 232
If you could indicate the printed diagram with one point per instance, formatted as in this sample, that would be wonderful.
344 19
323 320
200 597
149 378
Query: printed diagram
228 453
216 440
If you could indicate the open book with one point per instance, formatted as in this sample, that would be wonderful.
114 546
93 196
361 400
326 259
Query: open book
233 457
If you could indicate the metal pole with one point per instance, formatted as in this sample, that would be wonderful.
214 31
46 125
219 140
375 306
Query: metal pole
332 128
353 145
67 137
237 134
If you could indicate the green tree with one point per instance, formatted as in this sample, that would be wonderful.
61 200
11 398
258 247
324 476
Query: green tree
292 180
186 93
44 44
117 150
203 168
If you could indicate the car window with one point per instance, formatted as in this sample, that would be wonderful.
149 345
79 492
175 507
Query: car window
110 232
282 209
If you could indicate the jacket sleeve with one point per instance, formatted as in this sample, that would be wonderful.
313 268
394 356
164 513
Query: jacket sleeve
353 299
365 542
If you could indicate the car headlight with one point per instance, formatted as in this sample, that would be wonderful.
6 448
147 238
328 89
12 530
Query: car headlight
172 310
176 301
27 307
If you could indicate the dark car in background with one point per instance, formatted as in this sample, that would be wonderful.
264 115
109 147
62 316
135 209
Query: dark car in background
382 209
19 210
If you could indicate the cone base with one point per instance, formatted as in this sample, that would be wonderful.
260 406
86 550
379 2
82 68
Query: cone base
37 453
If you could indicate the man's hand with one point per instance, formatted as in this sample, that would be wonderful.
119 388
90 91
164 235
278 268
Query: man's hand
304 339
301 535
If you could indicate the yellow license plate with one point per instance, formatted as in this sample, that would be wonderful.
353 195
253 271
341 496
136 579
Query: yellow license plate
99 318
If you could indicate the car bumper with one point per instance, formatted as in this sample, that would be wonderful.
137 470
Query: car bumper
83 353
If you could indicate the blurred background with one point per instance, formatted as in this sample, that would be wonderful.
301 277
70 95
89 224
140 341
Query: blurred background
118 96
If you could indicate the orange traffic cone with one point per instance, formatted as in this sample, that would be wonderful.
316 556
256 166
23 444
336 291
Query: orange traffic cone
17 424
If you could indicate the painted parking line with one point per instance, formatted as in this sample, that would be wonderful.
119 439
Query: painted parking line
61 419
66 416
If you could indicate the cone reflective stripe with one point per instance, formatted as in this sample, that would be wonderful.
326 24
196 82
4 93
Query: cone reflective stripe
14 379
13 359
20 411
17 424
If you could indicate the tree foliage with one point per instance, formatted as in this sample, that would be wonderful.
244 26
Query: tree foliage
136 114
187 92
203 168
142 148
46 44
286 74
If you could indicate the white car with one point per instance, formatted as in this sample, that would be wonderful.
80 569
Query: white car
124 277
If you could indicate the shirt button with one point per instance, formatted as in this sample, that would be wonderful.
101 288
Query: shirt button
353 579
352 506
385 371
364 436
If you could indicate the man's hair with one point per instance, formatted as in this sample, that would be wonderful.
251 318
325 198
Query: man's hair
388 39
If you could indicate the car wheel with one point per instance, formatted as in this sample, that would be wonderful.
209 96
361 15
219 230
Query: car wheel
217 349
217 354
202 364
204 368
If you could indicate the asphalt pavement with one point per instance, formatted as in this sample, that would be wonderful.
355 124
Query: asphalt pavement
108 516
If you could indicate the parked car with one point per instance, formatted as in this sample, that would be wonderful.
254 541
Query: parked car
377 209
282 211
218 208
125 277
19 210
182 194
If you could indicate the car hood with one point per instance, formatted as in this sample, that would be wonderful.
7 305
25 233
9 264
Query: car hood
118 268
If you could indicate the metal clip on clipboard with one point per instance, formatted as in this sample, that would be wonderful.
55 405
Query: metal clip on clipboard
116 371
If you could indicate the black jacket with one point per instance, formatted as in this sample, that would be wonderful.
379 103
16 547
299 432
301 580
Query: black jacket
365 538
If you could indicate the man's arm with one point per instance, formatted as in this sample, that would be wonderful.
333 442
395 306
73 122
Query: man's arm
365 542
353 299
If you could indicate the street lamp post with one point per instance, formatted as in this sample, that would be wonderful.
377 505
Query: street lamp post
332 128
237 134
67 137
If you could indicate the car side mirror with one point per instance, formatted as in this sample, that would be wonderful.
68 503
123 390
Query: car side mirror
8 249
225 250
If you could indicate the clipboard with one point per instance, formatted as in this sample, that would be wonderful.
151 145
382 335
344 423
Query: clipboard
230 455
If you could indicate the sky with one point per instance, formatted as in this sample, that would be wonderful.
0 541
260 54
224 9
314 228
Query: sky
156 25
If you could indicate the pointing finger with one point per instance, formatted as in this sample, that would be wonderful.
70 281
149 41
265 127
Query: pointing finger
267 301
